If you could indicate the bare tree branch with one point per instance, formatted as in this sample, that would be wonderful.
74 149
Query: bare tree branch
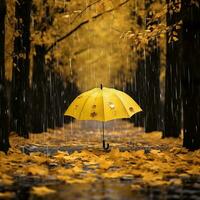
90 5
110 10
80 51
83 23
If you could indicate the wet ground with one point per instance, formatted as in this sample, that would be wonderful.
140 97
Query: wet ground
102 189
118 189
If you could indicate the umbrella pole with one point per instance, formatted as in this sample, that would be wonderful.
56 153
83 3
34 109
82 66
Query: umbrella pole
105 146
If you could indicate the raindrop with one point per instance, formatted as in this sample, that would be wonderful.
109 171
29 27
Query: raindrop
70 66
71 126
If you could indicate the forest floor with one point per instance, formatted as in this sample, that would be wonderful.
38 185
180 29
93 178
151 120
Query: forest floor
69 163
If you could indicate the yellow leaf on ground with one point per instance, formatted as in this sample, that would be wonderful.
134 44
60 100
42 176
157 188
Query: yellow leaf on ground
184 175
42 191
37 170
105 164
139 154
151 177
127 155
70 171
135 187
61 155
113 174
175 181
64 178
114 153
6 179
75 181
7 195
158 183
2 154
40 159
194 170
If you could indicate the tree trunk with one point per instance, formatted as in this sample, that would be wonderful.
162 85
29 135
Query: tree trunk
51 96
139 89
138 76
55 94
40 90
4 125
21 64
59 101
69 93
191 74
152 83
39 94
172 122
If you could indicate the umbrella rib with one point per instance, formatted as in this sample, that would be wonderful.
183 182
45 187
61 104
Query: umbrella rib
121 102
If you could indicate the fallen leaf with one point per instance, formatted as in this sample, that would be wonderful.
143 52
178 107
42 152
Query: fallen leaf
40 159
42 190
105 164
6 179
175 181
37 170
135 187
113 174
7 195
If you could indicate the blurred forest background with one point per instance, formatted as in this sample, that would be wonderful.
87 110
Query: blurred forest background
51 50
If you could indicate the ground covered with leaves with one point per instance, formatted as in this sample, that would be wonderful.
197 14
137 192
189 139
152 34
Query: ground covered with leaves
69 163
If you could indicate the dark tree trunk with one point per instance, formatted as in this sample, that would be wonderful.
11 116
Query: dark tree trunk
39 91
59 101
139 89
70 92
4 125
55 95
152 83
152 93
138 76
172 122
21 64
191 74
51 97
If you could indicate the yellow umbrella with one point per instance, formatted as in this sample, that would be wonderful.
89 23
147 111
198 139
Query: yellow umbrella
103 104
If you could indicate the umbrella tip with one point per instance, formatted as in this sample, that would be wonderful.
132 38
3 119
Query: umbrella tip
101 86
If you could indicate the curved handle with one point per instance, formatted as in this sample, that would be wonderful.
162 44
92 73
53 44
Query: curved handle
105 145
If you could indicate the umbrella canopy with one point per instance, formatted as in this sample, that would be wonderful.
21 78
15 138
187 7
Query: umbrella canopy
103 105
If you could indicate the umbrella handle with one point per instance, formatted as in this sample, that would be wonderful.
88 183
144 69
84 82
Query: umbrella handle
105 145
